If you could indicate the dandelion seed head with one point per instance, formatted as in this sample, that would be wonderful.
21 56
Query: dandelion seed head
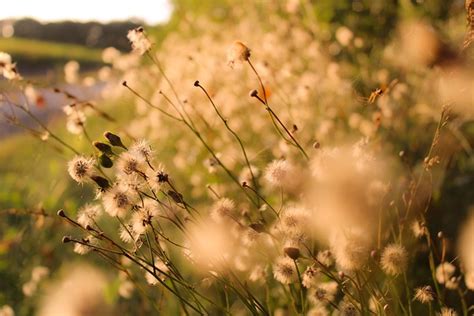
284 270
237 53
141 150
88 214
318 310
223 210
446 311
351 249
444 272
80 168
278 172
311 277
394 259
128 163
424 294
6 310
325 257
419 229
324 292
116 201
140 43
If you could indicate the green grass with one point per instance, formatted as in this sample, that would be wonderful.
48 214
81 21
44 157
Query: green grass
42 51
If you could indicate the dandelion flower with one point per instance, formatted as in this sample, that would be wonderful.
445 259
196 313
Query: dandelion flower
394 259
284 270
278 173
238 52
424 294
444 272
140 43
116 201
80 168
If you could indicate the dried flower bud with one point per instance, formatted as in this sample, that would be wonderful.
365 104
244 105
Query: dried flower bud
66 239
196 83
105 161
292 252
253 93
102 147
113 139
61 213
238 52
103 183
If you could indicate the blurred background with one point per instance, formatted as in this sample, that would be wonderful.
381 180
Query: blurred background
49 40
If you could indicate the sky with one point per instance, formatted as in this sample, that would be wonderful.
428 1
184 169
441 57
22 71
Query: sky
150 11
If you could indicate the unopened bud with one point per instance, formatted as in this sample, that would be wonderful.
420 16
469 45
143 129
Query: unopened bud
440 235
196 83
292 252
253 93
105 161
102 182
61 213
103 147
114 140
66 239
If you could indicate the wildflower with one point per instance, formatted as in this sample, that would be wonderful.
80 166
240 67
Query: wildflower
7 68
294 221
394 259
116 201
140 43
278 172
284 270
325 257
160 270
444 272
424 294
310 277
88 214
419 229
351 249
156 178
142 217
127 234
346 308
238 52
80 168
141 150
128 164
76 120
6 310
83 248
324 292
446 311
222 209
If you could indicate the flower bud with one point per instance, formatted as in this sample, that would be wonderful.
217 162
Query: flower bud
105 161
114 140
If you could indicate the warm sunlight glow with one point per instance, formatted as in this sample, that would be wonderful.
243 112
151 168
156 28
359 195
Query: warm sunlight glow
150 11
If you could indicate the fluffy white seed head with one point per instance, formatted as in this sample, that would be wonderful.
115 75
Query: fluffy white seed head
394 259
116 201
444 272
424 294
140 43
80 168
284 270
